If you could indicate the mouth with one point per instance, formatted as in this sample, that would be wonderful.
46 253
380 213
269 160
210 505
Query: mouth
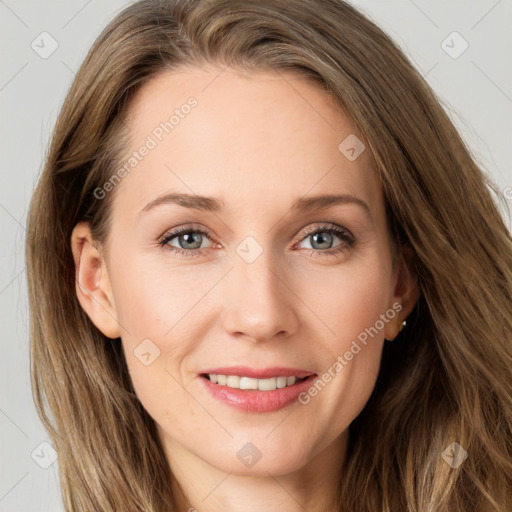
250 383
249 378
257 391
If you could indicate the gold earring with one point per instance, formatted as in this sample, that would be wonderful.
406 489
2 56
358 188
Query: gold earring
404 323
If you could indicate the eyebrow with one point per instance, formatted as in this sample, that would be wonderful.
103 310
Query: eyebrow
210 204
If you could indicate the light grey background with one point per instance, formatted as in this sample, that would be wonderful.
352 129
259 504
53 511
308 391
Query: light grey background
475 87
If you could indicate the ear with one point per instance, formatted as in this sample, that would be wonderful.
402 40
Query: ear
92 283
406 292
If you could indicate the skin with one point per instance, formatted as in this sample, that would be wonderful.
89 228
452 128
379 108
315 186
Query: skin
257 142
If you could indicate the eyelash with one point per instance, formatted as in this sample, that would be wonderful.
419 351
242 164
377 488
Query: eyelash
347 238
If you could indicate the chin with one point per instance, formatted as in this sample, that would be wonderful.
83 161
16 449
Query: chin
259 458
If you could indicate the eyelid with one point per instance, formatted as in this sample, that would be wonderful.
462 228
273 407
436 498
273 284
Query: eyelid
174 232
171 233
328 227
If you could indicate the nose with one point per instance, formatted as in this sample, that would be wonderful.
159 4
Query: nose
259 302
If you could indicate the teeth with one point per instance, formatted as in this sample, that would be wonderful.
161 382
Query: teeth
234 381
248 383
281 382
267 384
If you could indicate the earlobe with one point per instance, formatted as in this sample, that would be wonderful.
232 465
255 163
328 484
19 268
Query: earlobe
393 328
406 293
92 282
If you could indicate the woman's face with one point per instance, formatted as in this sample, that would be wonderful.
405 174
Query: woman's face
267 280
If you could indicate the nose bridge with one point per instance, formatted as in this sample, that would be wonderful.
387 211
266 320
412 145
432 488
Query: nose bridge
260 303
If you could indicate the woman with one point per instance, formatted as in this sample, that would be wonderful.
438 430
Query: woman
370 370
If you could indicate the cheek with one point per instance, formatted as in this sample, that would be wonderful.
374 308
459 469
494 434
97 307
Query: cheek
352 311
155 306
348 301
153 298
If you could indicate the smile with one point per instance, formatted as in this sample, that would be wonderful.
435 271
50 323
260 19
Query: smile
237 382
252 390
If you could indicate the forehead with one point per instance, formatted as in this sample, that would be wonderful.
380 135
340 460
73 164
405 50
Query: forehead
261 137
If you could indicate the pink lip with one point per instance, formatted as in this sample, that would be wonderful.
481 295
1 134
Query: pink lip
252 400
264 373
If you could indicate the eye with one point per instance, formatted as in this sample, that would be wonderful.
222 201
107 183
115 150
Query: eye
321 239
185 241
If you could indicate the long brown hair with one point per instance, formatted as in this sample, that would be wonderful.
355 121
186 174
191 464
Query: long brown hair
448 376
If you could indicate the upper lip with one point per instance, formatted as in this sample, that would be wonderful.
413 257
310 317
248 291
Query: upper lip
260 373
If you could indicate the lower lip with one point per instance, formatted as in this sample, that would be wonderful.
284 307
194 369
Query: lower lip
252 400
